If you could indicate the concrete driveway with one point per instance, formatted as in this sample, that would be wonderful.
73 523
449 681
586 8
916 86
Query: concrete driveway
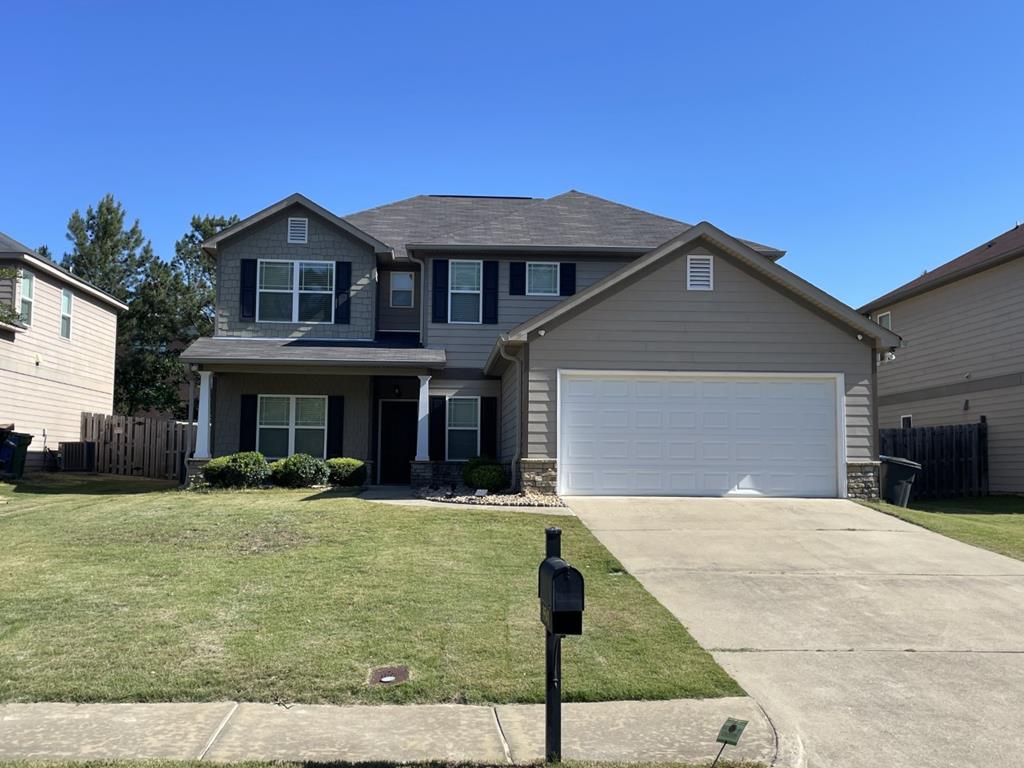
868 641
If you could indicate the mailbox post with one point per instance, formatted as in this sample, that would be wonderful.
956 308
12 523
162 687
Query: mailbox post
560 589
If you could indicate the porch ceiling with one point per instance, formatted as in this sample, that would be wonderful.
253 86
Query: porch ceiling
228 350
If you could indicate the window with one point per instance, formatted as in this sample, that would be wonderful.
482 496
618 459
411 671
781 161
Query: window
288 424
295 292
401 290
906 421
298 231
465 298
28 290
885 320
463 428
700 273
66 300
541 279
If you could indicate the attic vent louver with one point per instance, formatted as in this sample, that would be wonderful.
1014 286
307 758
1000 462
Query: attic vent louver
298 231
700 273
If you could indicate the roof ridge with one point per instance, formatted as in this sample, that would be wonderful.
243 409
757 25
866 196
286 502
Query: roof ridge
623 205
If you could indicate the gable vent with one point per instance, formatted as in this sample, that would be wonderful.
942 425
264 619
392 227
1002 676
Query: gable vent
700 273
298 230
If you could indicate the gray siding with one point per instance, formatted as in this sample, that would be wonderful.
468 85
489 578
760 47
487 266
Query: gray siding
228 389
510 398
1004 410
468 346
397 318
656 324
268 240
7 284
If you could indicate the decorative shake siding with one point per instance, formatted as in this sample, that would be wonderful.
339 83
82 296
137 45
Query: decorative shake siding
269 240
468 346
654 323
46 381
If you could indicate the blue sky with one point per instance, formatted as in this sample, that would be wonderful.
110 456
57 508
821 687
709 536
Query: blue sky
870 141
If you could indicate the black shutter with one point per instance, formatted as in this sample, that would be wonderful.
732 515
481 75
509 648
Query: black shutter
342 300
489 427
567 279
247 423
439 294
517 278
490 299
335 425
438 427
247 298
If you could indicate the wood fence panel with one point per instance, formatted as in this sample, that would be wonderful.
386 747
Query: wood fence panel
954 459
141 446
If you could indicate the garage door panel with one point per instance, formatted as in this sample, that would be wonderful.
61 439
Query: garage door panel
656 434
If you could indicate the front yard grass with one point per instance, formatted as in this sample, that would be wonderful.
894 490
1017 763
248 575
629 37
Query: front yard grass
115 589
995 523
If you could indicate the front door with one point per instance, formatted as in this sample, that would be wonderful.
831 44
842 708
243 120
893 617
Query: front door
397 440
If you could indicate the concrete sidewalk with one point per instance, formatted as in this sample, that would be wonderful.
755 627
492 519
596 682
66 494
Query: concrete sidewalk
627 731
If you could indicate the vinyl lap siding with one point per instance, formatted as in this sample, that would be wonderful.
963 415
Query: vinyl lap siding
509 408
656 324
467 346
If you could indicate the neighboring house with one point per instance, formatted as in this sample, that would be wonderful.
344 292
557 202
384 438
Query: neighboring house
964 359
592 347
58 360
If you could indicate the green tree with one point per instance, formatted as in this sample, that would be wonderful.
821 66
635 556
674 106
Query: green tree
196 270
8 312
44 251
105 252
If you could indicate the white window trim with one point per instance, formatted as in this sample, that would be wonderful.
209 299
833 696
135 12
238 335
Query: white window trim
907 416
69 315
295 292
291 422
30 299
480 292
711 272
303 241
884 314
447 400
558 278
412 290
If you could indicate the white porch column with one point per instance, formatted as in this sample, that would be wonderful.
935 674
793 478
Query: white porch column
203 423
423 422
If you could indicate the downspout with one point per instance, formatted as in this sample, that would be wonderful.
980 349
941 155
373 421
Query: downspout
518 362
423 295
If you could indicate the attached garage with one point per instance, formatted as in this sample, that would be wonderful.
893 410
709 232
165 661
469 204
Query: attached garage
707 434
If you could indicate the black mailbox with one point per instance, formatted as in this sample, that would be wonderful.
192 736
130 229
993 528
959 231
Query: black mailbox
560 587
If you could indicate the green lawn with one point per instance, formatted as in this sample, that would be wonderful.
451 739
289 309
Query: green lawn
991 522
120 589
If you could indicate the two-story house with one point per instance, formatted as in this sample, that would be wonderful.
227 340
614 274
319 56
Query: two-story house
57 359
964 359
592 347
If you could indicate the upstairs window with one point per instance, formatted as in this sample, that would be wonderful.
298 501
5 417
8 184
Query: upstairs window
66 304
465 297
298 231
288 424
28 292
295 292
885 320
463 428
541 279
402 290
907 422
700 273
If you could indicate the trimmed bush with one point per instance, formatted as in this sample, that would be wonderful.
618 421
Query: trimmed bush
299 471
348 472
491 476
239 470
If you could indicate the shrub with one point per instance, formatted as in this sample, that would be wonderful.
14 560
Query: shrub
299 471
491 476
239 470
351 472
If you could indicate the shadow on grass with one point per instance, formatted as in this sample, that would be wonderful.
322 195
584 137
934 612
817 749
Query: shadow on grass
981 505
54 483
337 492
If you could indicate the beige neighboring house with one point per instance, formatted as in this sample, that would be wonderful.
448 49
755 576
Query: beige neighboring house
58 361
964 357
592 347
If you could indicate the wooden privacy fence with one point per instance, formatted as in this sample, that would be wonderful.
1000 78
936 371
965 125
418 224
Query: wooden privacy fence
136 445
954 459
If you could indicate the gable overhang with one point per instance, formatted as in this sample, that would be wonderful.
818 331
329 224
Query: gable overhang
210 245
39 264
705 233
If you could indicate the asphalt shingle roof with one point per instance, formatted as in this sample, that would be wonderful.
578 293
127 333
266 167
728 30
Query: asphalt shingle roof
228 349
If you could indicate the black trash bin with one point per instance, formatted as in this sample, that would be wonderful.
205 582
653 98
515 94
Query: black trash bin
13 452
898 476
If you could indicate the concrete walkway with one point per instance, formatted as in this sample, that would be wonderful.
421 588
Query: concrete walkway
662 731
868 641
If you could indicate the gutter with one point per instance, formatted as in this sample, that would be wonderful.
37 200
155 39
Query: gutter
423 292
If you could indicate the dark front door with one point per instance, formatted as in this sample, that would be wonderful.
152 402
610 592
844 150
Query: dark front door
397 439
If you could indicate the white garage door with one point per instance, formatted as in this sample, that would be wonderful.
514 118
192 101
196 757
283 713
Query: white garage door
681 434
